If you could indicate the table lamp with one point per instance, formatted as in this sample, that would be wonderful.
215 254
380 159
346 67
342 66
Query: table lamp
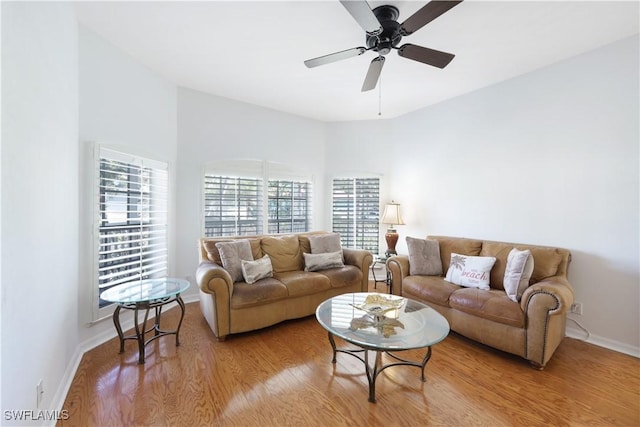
392 217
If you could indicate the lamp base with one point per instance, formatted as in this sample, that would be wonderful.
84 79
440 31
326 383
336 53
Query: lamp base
391 236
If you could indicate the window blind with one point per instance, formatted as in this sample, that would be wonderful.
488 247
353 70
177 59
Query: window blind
356 212
248 197
232 205
132 221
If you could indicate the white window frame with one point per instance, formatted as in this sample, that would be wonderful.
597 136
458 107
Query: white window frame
154 223
267 172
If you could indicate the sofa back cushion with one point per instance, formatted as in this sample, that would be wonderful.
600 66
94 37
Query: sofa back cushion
545 261
458 245
500 251
284 251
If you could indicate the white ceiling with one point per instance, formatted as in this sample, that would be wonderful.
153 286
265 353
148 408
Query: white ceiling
254 51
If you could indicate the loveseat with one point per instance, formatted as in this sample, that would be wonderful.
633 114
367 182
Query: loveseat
231 305
529 323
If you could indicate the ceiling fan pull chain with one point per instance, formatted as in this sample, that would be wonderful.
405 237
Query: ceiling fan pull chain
380 96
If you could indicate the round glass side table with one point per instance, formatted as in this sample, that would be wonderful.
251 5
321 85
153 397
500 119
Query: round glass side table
145 295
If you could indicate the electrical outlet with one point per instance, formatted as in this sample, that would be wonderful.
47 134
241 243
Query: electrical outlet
576 308
40 393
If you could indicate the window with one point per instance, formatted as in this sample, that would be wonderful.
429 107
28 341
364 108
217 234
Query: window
132 219
289 206
356 212
232 205
234 202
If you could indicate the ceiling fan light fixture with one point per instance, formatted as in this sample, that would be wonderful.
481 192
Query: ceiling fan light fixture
383 33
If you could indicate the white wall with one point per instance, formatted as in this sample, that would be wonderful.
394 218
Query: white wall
362 148
128 106
548 158
39 200
212 129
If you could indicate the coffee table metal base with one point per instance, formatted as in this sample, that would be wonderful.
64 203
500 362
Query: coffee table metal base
378 367
142 331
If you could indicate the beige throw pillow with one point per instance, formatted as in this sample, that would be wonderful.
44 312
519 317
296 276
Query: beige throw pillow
517 273
323 243
424 257
231 255
470 271
317 262
252 271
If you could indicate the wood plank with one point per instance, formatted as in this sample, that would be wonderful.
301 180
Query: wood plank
283 375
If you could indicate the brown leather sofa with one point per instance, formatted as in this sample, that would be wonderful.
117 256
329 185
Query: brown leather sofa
231 308
532 328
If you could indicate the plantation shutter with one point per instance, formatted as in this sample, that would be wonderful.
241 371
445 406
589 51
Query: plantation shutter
247 197
356 212
133 219
232 205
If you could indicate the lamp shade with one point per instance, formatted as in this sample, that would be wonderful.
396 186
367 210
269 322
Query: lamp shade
392 214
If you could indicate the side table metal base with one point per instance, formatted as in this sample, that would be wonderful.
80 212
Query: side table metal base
141 330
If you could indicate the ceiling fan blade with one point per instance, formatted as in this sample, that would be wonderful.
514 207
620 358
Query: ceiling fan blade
375 68
426 14
333 57
425 55
362 13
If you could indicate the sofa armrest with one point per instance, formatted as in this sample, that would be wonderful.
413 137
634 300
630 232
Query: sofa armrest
212 278
557 287
216 288
398 266
546 305
361 259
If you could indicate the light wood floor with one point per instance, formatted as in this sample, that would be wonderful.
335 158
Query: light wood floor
283 376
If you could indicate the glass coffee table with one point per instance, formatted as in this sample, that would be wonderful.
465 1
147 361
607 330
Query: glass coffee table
384 324
145 295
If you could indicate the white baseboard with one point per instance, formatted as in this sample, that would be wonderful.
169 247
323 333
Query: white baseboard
603 342
65 383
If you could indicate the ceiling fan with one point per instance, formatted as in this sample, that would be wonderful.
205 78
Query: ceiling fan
384 33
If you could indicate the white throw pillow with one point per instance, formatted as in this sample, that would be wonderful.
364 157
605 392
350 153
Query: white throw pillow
317 262
231 253
470 271
517 273
252 271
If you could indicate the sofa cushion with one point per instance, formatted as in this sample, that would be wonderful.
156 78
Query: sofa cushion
265 291
470 271
492 305
323 261
424 257
323 243
546 262
500 251
518 272
430 289
231 254
348 275
284 252
302 282
252 271
449 245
